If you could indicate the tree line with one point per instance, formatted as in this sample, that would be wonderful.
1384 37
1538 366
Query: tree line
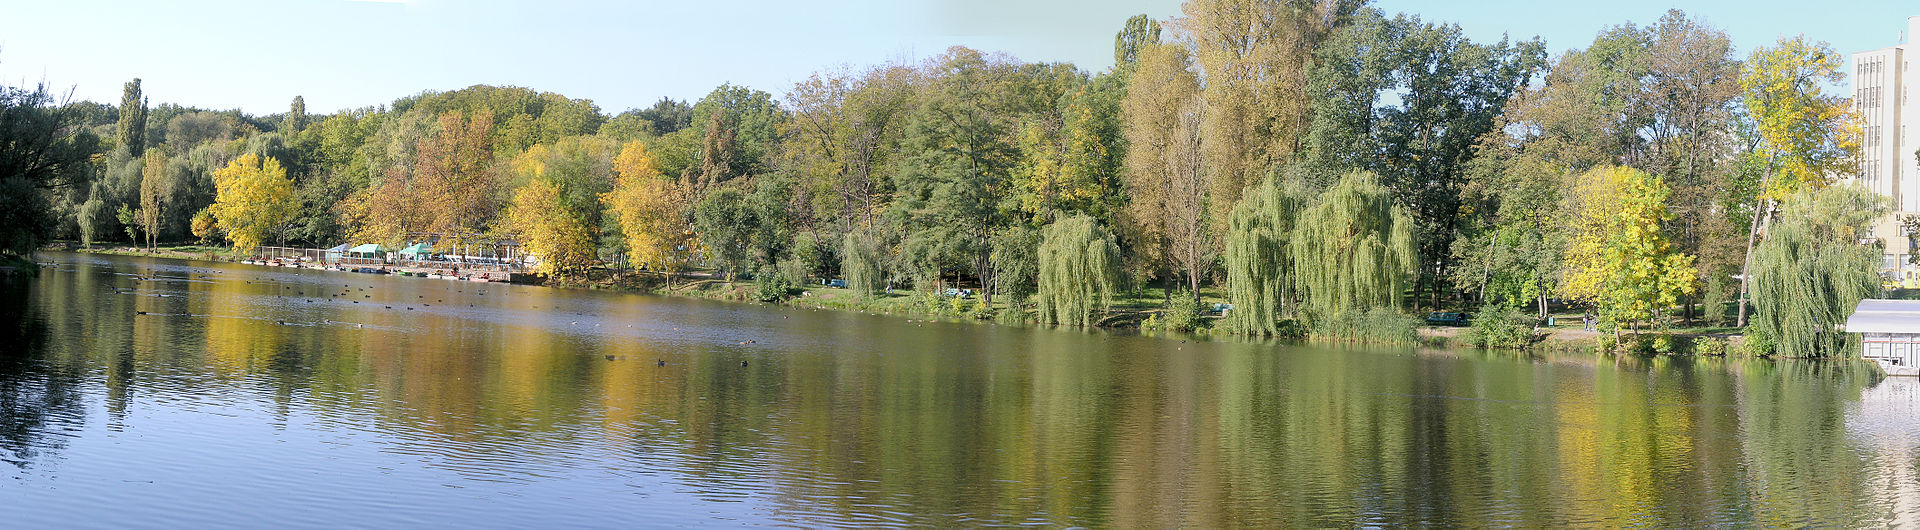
1327 166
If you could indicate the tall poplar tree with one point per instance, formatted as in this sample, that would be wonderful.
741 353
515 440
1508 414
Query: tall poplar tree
132 126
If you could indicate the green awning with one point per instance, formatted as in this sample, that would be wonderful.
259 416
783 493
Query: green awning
417 249
369 248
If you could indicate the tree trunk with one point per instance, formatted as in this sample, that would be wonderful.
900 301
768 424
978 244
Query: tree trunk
1753 233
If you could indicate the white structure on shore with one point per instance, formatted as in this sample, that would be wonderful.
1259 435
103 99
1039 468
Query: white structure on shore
1890 151
1889 334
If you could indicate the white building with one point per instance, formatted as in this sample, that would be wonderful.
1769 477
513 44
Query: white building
1890 165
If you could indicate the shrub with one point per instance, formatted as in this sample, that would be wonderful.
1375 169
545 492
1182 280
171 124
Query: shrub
1709 347
1499 326
1661 344
1756 344
771 286
1183 313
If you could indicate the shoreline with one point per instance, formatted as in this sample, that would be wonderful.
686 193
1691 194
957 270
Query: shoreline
918 304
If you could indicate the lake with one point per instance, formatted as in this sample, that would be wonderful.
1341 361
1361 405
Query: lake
251 396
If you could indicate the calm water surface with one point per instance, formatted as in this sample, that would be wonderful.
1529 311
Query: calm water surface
253 396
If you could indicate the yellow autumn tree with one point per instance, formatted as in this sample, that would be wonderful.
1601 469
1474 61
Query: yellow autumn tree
650 208
1805 133
253 200
548 230
1618 258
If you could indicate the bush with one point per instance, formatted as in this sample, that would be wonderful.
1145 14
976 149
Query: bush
930 303
980 310
771 286
1499 326
1607 343
1709 347
1183 313
1756 344
1661 344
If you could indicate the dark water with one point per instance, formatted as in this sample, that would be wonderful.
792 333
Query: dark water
254 396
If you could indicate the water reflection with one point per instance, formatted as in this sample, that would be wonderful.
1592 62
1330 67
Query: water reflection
331 398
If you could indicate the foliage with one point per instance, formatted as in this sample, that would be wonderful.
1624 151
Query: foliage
748 120
650 208
1183 312
204 225
1383 325
156 187
1499 326
860 263
1447 92
769 285
449 188
1811 271
1713 300
1709 347
1803 129
1016 261
1162 84
132 127
128 218
725 224
1618 258
540 217
254 201
44 152
1259 268
1079 270
1352 252
1256 56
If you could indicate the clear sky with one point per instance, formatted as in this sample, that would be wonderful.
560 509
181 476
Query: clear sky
258 54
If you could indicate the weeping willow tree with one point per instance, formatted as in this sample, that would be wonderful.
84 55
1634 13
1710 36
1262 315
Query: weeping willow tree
1079 270
1352 251
1257 263
1811 270
860 262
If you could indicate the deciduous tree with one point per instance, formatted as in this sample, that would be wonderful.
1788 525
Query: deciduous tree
254 201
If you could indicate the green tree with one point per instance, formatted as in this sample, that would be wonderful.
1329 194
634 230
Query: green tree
1448 93
1139 33
132 127
1079 270
1016 260
1258 265
130 221
1811 271
1352 251
749 121
726 223
45 152
860 262
296 116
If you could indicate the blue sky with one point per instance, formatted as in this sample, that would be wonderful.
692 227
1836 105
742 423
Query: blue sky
258 54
